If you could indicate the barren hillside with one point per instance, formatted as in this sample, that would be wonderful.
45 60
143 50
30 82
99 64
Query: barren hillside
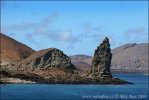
12 50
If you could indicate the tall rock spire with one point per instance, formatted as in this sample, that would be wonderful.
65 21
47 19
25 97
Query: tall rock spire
102 60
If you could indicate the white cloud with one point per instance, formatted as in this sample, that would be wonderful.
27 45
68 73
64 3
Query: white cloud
42 28
138 34
65 35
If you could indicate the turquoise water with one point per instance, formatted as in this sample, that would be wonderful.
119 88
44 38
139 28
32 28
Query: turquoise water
137 91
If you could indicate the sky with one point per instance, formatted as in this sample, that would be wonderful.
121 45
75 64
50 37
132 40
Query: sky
75 27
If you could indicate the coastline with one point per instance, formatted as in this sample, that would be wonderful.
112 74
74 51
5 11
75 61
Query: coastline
41 80
129 71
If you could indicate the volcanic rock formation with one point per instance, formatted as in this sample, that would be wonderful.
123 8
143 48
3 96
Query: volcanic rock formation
43 59
52 66
102 60
130 57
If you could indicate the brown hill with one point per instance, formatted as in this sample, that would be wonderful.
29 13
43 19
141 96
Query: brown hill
12 50
131 57
81 65
82 62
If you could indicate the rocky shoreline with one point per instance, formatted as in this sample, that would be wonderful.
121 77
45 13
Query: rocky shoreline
7 78
52 66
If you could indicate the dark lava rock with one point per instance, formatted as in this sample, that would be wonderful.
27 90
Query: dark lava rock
102 60
43 59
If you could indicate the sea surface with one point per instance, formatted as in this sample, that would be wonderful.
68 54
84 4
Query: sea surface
136 91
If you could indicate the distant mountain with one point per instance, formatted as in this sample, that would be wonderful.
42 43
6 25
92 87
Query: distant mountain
12 50
80 57
82 65
127 57
82 62
131 57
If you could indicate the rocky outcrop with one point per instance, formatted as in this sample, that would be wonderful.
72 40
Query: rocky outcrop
67 78
130 57
102 60
43 59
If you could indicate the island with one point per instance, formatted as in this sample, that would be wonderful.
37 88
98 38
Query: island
52 66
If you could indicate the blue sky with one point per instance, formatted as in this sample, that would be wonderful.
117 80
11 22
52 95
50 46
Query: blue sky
75 27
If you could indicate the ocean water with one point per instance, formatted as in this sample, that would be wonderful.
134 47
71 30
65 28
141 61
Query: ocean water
136 91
